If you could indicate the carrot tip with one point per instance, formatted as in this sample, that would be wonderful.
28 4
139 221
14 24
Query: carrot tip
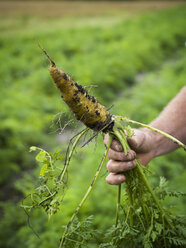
50 60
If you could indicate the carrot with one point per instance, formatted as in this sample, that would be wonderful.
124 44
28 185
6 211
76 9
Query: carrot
85 107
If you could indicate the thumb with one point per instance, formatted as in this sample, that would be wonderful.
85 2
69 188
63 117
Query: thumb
138 141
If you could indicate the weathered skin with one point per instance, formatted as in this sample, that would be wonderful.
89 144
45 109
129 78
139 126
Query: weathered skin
147 144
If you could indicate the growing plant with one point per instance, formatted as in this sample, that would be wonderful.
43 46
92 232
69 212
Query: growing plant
144 221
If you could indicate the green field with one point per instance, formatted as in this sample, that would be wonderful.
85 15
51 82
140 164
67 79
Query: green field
135 55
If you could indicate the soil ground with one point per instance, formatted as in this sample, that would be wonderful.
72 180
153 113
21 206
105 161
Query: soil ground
79 8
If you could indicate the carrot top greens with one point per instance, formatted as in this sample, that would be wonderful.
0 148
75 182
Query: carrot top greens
141 218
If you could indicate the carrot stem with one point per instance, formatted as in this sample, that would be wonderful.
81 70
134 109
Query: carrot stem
86 195
71 153
118 204
176 141
143 177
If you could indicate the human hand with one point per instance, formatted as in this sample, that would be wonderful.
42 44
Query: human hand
142 147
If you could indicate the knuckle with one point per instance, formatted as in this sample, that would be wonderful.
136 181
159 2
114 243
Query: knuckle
109 179
117 146
109 154
131 164
109 165
131 155
114 155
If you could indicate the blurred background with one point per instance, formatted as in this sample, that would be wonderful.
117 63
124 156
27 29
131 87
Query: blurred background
135 52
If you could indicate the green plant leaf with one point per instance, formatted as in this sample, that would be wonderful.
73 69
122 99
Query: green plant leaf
41 157
33 148
43 170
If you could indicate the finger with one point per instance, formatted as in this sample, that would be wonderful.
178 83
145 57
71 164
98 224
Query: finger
116 167
115 179
137 142
115 145
121 156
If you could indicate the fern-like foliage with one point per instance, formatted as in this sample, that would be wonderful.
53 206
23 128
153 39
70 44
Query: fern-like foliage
142 223
49 194
81 234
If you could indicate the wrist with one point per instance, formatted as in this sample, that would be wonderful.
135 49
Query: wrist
159 144
153 140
